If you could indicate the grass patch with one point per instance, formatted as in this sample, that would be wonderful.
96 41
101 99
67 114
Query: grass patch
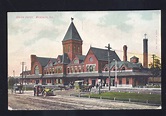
125 96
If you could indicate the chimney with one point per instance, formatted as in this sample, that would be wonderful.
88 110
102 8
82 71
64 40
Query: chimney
145 52
124 53
33 59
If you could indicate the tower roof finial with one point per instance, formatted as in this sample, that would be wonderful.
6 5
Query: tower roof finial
145 35
72 19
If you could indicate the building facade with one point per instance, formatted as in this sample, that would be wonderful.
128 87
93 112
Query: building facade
72 65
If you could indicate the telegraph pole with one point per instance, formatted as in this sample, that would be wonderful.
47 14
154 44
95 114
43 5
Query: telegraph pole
25 76
115 72
109 65
153 56
22 63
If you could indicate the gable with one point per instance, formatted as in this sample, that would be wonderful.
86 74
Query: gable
89 55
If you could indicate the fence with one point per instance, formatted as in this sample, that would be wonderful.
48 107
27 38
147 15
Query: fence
125 100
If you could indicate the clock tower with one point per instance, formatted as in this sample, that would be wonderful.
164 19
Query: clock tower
72 42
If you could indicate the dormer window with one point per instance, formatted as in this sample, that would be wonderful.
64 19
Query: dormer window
76 62
50 64
123 68
106 69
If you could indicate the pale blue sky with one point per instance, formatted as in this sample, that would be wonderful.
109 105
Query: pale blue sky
28 34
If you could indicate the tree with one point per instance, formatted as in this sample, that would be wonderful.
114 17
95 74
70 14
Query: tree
12 81
155 66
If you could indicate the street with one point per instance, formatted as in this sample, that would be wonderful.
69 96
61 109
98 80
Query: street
62 101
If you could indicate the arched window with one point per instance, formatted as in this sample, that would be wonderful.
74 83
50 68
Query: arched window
106 69
90 68
87 68
36 70
68 70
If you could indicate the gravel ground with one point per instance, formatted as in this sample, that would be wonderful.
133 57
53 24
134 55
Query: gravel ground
62 101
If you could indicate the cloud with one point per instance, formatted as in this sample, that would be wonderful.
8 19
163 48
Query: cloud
43 36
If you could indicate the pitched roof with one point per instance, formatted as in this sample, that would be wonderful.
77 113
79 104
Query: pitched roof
53 60
65 59
134 57
44 61
72 33
81 57
102 54
127 64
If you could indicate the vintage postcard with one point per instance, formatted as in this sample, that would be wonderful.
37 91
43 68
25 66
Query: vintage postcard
84 60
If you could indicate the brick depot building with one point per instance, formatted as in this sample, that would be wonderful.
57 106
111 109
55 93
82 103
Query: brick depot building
72 65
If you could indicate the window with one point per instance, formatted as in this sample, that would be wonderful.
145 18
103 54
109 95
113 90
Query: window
50 71
57 80
69 48
90 68
79 69
78 49
87 68
76 61
127 80
60 80
68 70
91 59
48 81
50 63
36 70
120 81
94 67
74 49
71 70
123 68
106 69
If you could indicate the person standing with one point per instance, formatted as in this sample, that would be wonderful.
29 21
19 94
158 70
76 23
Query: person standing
34 90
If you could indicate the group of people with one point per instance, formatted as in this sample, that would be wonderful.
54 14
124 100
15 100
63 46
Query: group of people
37 90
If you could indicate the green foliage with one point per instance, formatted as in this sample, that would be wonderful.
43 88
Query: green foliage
125 96
155 67
11 82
